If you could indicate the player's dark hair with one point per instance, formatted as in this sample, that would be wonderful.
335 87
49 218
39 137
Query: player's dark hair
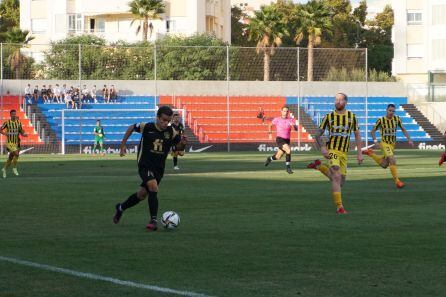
345 96
391 105
285 106
12 110
164 110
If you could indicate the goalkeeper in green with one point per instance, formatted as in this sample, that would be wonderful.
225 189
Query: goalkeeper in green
98 138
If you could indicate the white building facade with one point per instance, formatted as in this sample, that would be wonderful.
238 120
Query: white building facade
50 20
419 37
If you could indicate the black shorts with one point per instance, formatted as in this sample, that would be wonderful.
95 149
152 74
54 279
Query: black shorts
281 141
147 175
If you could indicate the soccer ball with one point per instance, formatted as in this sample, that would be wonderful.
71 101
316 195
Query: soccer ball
170 220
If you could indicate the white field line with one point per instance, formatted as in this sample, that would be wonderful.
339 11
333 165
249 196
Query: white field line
100 277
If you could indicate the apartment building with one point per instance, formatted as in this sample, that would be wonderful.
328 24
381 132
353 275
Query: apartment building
54 20
419 37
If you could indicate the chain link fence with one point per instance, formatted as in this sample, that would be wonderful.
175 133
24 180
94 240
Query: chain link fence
220 91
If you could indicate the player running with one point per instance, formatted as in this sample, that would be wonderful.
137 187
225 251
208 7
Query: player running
283 125
340 123
99 135
156 140
12 129
177 150
388 125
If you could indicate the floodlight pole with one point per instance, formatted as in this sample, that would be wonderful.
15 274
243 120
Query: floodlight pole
298 98
63 132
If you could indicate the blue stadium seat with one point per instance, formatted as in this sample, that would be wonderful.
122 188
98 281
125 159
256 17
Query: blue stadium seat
317 106
114 118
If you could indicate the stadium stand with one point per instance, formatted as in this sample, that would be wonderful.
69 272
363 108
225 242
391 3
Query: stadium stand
208 117
317 107
114 118
13 102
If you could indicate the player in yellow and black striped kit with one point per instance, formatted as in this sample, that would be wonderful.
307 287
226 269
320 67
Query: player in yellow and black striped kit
387 126
339 123
12 129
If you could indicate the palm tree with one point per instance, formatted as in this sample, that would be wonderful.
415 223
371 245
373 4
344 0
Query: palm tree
16 60
314 19
146 10
267 28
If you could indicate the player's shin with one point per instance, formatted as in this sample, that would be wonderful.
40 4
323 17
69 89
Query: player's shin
175 161
132 200
14 161
394 172
153 205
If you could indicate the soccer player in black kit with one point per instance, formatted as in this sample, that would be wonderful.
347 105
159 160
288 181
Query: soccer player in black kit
177 150
156 140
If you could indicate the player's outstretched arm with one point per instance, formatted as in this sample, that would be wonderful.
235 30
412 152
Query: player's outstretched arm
358 141
127 134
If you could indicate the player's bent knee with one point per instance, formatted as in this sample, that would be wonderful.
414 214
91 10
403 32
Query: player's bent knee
152 185
141 194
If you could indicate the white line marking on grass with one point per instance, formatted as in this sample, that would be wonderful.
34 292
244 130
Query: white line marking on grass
100 277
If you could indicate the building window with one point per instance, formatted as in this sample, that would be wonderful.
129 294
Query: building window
74 22
170 26
438 49
415 51
38 25
414 17
439 15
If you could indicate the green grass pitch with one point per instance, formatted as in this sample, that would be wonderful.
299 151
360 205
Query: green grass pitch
245 230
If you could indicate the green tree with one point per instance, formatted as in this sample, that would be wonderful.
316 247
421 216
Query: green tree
314 19
267 29
238 27
360 12
198 57
146 10
9 16
19 64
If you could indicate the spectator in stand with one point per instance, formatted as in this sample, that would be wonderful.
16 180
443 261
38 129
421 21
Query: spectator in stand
93 94
56 93
49 93
113 93
63 92
85 94
68 99
36 93
106 94
28 95
77 99
44 94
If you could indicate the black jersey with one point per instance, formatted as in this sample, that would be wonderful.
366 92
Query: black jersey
179 127
155 144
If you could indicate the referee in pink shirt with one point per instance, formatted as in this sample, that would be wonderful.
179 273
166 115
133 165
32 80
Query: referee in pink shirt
283 125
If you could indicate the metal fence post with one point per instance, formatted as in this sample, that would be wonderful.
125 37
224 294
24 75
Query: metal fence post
63 132
366 98
155 73
80 67
227 99
1 95
298 99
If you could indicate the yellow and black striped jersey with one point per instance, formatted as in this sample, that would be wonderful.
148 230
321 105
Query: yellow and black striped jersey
340 127
13 129
388 128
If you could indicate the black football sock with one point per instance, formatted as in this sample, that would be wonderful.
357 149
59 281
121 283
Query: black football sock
288 159
273 157
175 161
153 204
131 201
